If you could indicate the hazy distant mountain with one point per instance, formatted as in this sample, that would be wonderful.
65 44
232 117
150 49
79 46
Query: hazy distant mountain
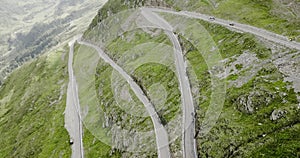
28 28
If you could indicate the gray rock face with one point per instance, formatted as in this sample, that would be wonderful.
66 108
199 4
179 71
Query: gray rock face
277 114
248 103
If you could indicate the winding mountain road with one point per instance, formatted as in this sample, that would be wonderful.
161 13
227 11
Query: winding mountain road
72 113
237 26
73 119
189 143
188 140
161 134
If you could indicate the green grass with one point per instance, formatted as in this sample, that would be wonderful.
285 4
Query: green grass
151 74
116 112
155 76
238 66
31 126
95 137
132 39
113 7
238 130
285 143
199 66
93 147
138 38
94 79
112 109
257 13
153 71
147 75
232 43
233 77
202 35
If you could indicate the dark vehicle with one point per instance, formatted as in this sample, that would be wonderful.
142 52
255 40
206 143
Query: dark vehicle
231 24
71 141
212 18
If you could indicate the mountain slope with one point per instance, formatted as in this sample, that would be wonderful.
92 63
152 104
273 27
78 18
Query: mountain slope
261 107
32 102
30 28
259 117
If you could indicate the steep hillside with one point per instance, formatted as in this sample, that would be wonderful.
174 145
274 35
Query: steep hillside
279 16
260 115
29 28
245 89
32 103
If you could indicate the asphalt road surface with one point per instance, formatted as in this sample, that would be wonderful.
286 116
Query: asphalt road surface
188 140
73 122
161 134
237 26
72 113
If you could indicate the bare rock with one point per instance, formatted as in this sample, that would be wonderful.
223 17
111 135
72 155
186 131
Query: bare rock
277 114
248 103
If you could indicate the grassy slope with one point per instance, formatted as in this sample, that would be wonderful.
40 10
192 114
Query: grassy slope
237 133
259 13
145 74
95 148
113 7
103 82
152 73
114 113
256 13
118 115
31 126
267 99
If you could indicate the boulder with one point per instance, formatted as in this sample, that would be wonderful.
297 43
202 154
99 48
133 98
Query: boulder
277 114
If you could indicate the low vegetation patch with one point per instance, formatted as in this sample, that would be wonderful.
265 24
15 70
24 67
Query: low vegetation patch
33 122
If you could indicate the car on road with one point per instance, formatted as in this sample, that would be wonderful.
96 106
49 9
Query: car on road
231 24
71 141
291 39
212 18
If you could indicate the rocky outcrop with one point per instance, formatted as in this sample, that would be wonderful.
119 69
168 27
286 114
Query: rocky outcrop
277 114
248 103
